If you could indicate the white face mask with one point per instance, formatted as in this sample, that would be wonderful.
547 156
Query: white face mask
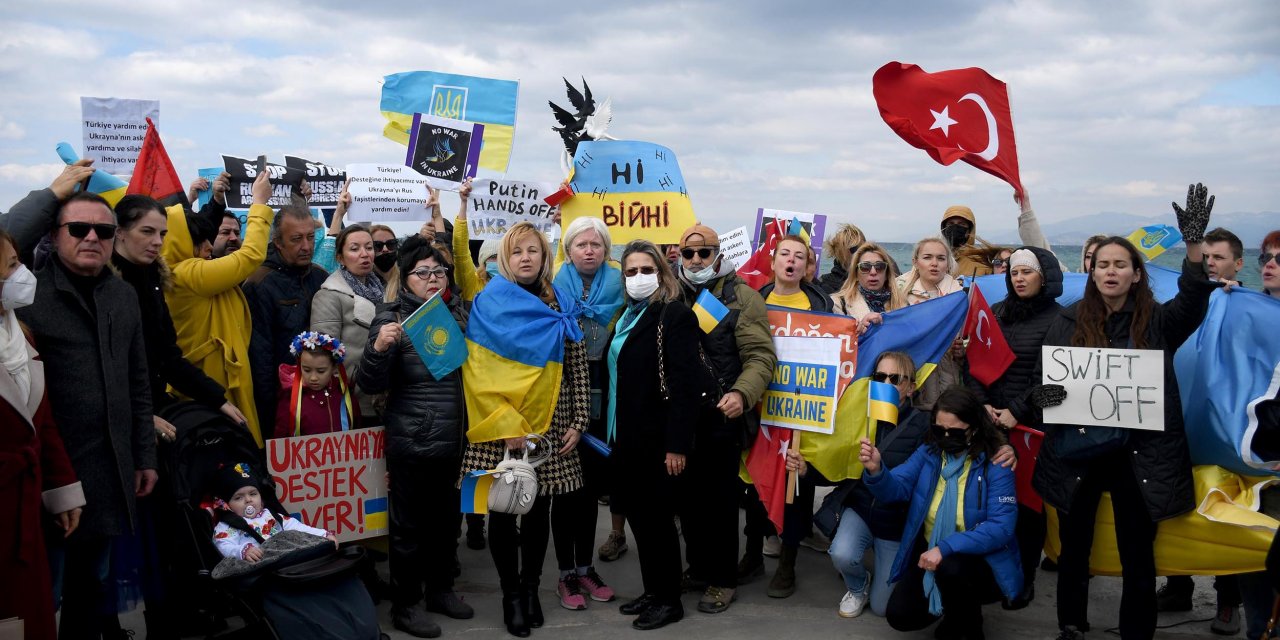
642 285
702 276
19 289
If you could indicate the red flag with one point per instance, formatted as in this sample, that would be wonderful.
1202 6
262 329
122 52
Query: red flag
767 466
989 354
153 175
757 271
962 114
1026 443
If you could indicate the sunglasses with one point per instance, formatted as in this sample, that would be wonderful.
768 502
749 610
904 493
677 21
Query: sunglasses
389 245
703 253
81 230
868 267
950 433
998 262
648 271
1268 257
892 378
427 274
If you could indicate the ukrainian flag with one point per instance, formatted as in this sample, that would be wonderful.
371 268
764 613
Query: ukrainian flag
111 188
1152 240
515 346
882 402
375 514
475 491
636 188
710 311
797 229
482 100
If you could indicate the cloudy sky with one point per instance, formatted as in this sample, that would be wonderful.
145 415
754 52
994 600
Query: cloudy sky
1117 105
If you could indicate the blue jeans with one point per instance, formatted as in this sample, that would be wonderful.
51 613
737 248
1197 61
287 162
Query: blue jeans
1258 598
852 538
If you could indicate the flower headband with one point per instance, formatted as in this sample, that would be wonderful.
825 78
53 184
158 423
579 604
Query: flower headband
315 341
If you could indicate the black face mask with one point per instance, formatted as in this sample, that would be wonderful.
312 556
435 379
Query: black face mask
956 234
384 261
951 441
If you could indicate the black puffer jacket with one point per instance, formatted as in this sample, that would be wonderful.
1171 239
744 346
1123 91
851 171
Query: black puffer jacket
831 281
1024 325
1161 460
425 417
886 520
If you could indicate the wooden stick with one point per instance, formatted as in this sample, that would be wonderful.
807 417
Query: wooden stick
793 477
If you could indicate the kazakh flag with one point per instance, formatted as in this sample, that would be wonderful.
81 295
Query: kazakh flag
483 100
102 183
515 346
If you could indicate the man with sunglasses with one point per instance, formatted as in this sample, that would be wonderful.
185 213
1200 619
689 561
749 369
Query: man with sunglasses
741 351
87 326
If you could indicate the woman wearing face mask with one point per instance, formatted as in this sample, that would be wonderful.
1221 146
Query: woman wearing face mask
957 550
869 292
385 248
39 481
1147 472
345 305
930 274
651 428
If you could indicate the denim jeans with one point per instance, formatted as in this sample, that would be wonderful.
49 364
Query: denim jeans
1258 598
847 548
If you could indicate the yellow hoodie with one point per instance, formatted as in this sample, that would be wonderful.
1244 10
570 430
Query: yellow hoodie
209 310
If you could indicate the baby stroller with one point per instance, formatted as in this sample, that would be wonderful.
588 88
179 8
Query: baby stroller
310 598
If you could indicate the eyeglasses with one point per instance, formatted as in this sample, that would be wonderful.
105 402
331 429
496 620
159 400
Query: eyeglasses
389 245
1268 257
868 267
81 230
892 378
704 253
648 271
998 262
427 274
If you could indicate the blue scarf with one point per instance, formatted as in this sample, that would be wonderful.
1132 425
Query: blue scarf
605 297
624 326
944 522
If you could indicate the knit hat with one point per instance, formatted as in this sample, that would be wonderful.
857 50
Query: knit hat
709 237
233 477
488 249
1024 258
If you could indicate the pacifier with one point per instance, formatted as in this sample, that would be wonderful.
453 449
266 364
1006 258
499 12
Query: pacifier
250 511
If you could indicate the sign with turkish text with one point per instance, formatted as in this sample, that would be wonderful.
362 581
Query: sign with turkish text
803 392
497 205
813 324
1106 387
334 481
386 193
636 188
735 246
113 130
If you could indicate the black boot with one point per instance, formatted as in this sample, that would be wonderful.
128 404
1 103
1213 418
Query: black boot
532 605
159 626
513 614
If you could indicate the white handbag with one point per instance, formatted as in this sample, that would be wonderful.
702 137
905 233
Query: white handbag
515 484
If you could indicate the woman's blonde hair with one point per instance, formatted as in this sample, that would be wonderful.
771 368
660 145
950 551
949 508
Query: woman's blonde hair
842 244
914 276
514 236
848 294
668 288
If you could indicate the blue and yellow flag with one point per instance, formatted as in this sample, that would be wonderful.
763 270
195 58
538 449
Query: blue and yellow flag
1152 240
482 100
475 491
882 402
797 229
436 337
515 346
710 311
111 188
375 513
636 188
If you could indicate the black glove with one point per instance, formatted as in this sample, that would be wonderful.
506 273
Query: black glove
1193 220
1047 395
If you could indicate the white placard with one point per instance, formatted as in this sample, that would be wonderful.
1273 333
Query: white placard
385 193
114 129
497 205
1106 387
735 246
805 385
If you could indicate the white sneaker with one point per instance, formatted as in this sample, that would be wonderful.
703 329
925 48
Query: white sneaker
852 604
773 546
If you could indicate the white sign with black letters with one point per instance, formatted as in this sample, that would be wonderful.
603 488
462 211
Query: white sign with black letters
1106 387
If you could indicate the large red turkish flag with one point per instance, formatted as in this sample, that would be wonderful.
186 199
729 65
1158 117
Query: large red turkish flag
767 466
989 354
757 271
153 174
962 114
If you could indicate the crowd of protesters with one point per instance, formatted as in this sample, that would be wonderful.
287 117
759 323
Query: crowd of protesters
113 315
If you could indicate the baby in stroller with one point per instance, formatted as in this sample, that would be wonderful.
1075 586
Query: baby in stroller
244 522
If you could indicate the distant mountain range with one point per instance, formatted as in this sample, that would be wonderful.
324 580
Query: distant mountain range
1251 227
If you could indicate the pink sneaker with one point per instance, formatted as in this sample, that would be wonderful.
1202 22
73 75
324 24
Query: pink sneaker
600 592
570 593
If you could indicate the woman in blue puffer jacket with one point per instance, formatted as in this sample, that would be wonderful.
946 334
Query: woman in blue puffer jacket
958 550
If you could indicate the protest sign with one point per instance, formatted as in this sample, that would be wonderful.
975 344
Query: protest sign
113 130
485 100
334 481
1106 387
812 225
386 193
436 337
445 150
803 392
813 324
636 188
244 171
325 180
496 205
203 197
735 246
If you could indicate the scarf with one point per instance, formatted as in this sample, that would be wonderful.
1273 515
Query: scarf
624 326
944 522
371 289
13 354
876 299
605 296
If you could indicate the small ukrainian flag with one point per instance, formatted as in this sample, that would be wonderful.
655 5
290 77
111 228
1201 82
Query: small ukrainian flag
709 310
375 514
475 491
882 402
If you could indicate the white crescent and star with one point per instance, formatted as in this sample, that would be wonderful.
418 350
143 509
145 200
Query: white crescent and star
977 331
942 120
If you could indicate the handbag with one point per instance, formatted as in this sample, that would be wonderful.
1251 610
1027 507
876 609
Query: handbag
515 483
708 388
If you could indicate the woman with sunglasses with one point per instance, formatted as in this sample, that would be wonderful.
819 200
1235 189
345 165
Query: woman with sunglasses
1000 260
1269 264
869 291
425 422
957 550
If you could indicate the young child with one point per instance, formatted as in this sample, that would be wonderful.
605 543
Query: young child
317 397
244 522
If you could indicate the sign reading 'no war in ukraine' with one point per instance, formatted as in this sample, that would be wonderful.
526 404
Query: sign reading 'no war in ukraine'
803 392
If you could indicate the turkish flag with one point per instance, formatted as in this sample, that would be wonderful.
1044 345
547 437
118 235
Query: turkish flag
962 114
1026 443
767 466
989 354
757 271
153 175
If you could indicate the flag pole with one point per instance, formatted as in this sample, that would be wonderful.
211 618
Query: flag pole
793 477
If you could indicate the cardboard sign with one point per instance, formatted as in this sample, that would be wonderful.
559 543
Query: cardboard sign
804 389
814 224
113 130
386 193
792 322
445 150
334 481
735 246
496 205
325 181
636 188
1106 387
244 171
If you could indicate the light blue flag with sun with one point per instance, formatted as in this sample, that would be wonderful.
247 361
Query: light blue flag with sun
436 337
